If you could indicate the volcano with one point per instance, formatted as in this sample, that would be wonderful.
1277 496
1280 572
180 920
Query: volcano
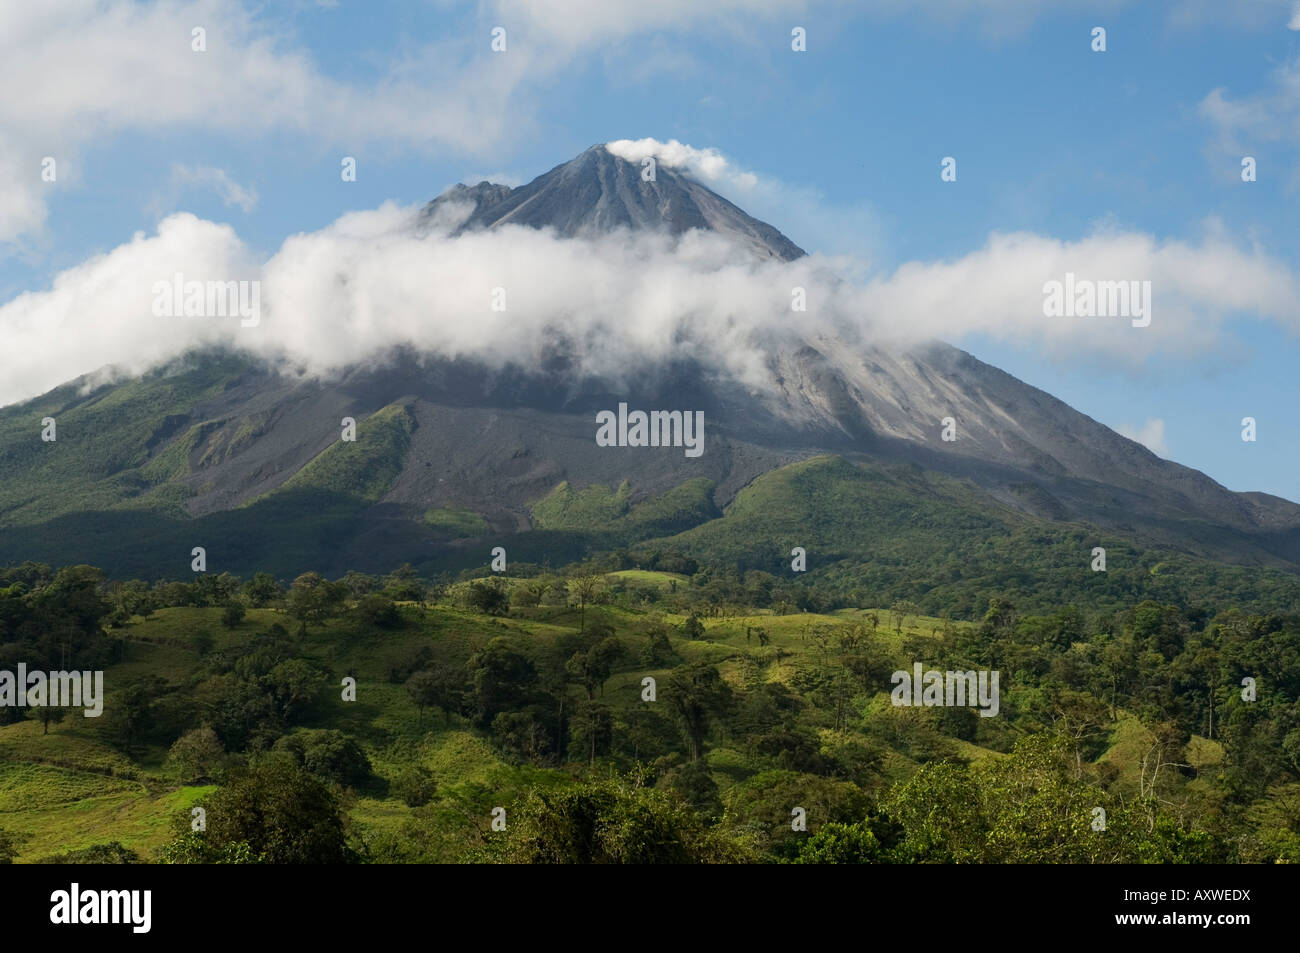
223 450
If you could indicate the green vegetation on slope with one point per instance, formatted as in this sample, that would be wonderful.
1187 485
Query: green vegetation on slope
109 449
610 514
592 508
364 468
457 524
876 533
464 704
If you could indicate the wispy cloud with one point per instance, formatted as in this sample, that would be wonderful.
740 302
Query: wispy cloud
709 165
1264 123
804 213
109 67
1150 434
216 180
114 66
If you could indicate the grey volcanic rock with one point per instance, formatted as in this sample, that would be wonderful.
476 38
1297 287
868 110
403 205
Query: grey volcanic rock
597 192
496 441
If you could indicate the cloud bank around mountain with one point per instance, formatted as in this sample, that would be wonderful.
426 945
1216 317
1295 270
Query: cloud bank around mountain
370 282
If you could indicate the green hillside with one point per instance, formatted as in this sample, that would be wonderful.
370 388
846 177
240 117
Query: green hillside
609 515
538 706
111 490
884 533
361 469
115 448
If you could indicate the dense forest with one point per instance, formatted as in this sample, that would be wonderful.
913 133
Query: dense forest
636 708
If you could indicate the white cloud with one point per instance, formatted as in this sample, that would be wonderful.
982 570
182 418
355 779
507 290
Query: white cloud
109 67
582 23
217 180
1150 434
1271 114
998 290
805 214
90 70
93 69
368 283
103 307
708 165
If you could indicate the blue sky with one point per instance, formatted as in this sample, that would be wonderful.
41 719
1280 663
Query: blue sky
1051 139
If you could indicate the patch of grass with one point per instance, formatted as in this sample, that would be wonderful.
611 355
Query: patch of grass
662 581
366 467
456 524
592 508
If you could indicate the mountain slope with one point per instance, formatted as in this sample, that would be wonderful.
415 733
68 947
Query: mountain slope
597 192
225 445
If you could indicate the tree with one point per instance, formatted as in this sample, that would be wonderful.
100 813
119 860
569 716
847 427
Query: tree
500 679
74 600
603 657
378 610
232 615
198 754
9 844
1030 808
312 598
489 597
262 590
525 734
240 710
534 590
616 821
294 683
276 812
557 593
173 594
593 667
216 589
48 714
414 785
114 852
329 754
592 729
658 648
430 688
359 584
132 713
762 804
202 640
696 786
584 589
903 609
403 584
132 598
839 843
694 628
697 695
